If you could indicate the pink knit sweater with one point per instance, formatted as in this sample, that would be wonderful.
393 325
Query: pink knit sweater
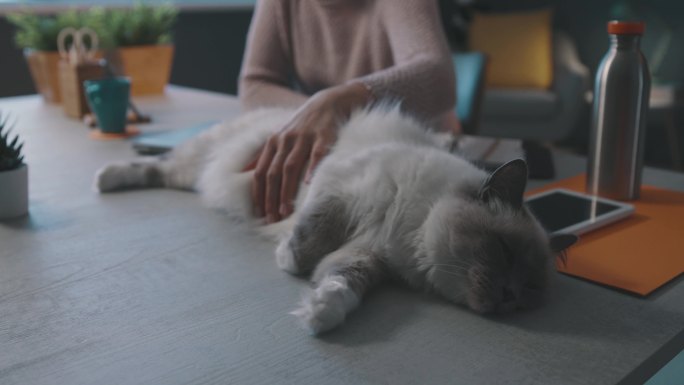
396 48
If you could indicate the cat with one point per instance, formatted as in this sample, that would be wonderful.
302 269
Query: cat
388 202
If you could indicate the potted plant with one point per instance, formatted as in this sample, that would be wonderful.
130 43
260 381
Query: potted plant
142 38
13 175
37 35
136 40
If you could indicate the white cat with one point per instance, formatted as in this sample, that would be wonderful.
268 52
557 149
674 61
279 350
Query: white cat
388 202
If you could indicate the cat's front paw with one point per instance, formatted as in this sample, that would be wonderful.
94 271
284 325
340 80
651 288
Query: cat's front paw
285 258
110 177
326 307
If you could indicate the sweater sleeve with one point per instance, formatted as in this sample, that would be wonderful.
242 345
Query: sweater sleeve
422 76
264 76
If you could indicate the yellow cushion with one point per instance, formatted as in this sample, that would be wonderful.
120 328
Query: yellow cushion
518 46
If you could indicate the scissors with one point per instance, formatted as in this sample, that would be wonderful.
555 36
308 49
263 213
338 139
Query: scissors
77 51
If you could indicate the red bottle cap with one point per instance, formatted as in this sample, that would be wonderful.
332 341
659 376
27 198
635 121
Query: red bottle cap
626 27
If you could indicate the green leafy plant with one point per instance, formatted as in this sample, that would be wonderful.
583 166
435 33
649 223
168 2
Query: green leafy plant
10 150
40 32
140 25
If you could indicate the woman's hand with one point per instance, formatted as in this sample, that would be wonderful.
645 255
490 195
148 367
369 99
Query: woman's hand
302 142
298 148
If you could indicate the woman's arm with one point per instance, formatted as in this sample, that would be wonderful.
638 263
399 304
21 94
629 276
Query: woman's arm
266 63
304 141
423 75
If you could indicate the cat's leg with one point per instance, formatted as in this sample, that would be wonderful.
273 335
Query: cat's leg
182 167
148 172
229 145
323 227
340 282
178 169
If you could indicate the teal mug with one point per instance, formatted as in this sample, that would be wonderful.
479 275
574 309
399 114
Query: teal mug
108 99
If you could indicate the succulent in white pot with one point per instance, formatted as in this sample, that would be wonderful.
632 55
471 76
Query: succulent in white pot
13 175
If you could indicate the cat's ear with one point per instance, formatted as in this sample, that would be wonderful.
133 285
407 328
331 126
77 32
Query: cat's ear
507 184
560 242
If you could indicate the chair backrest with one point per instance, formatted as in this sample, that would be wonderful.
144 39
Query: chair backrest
470 68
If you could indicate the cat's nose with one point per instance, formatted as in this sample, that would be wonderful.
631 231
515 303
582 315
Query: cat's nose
507 295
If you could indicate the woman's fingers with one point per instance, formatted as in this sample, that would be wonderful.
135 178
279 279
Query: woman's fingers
259 182
274 177
292 172
318 152
297 149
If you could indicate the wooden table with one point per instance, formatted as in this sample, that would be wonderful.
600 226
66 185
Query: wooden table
149 287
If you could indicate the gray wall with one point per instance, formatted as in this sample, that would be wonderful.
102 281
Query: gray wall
585 20
14 75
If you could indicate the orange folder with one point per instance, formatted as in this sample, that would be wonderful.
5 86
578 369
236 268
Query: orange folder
638 254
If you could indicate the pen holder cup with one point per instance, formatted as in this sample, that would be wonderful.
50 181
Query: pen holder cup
108 99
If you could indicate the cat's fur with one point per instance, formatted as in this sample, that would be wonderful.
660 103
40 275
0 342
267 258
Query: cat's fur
388 202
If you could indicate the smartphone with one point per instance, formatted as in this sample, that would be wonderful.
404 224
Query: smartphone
161 142
565 211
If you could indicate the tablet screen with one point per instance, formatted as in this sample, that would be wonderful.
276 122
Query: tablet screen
558 211
160 142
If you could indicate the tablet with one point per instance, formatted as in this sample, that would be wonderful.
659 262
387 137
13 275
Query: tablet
161 142
565 211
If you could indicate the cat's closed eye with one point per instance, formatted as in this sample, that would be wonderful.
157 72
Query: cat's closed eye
508 295
533 286
507 252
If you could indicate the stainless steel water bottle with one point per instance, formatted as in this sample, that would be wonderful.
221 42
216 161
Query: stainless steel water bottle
621 93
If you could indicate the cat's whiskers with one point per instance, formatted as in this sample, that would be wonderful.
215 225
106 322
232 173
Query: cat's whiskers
460 269
450 264
481 278
450 273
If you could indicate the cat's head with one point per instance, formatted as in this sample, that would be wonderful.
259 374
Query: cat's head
489 252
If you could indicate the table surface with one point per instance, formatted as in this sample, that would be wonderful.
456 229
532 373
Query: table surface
150 287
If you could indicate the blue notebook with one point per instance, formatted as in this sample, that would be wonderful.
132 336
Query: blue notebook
161 142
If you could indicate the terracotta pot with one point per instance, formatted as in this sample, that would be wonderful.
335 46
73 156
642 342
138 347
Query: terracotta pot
148 66
43 66
14 192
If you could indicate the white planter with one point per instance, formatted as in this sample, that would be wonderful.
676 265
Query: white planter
14 192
